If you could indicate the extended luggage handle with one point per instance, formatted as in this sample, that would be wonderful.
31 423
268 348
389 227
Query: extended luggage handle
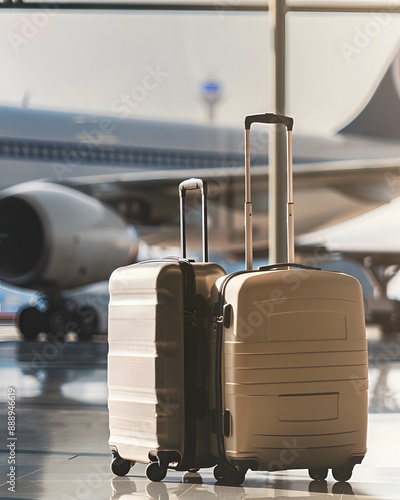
268 118
191 185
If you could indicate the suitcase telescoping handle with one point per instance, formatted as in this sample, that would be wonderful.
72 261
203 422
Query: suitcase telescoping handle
190 185
268 118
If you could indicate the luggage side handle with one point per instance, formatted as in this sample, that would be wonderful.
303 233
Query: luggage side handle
191 185
286 265
268 118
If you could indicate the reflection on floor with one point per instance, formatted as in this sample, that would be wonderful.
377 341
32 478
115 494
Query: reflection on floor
61 435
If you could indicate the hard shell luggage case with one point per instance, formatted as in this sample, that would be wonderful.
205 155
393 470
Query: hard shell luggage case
291 375
157 360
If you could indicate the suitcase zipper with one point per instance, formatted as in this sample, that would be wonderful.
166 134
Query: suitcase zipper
218 329
191 315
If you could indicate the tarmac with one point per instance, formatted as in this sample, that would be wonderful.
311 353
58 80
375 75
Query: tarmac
59 450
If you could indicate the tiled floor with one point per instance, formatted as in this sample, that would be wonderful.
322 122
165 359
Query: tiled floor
62 431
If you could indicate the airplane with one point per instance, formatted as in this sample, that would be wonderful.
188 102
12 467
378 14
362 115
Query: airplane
101 192
371 243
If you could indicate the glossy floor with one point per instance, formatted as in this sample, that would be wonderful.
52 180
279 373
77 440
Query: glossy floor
61 434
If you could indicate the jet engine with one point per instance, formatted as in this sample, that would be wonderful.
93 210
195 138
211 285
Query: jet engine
54 238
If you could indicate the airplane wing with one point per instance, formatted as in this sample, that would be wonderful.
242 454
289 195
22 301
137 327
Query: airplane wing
374 235
349 188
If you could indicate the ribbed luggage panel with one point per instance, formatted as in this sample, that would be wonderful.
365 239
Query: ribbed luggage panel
145 360
158 358
294 368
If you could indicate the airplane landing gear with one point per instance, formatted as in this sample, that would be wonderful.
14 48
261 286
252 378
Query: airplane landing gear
57 320
382 310
30 322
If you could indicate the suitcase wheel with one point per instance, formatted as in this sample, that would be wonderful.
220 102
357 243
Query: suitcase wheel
318 474
229 475
342 474
155 472
120 466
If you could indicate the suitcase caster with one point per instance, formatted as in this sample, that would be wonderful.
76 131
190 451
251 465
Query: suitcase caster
120 466
155 472
229 475
343 474
318 474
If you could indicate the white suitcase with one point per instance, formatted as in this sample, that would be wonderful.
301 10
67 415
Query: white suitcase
157 360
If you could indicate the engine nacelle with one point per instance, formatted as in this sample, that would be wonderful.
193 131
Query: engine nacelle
53 237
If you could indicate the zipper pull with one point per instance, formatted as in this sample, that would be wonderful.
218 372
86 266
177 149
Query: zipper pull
217 319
